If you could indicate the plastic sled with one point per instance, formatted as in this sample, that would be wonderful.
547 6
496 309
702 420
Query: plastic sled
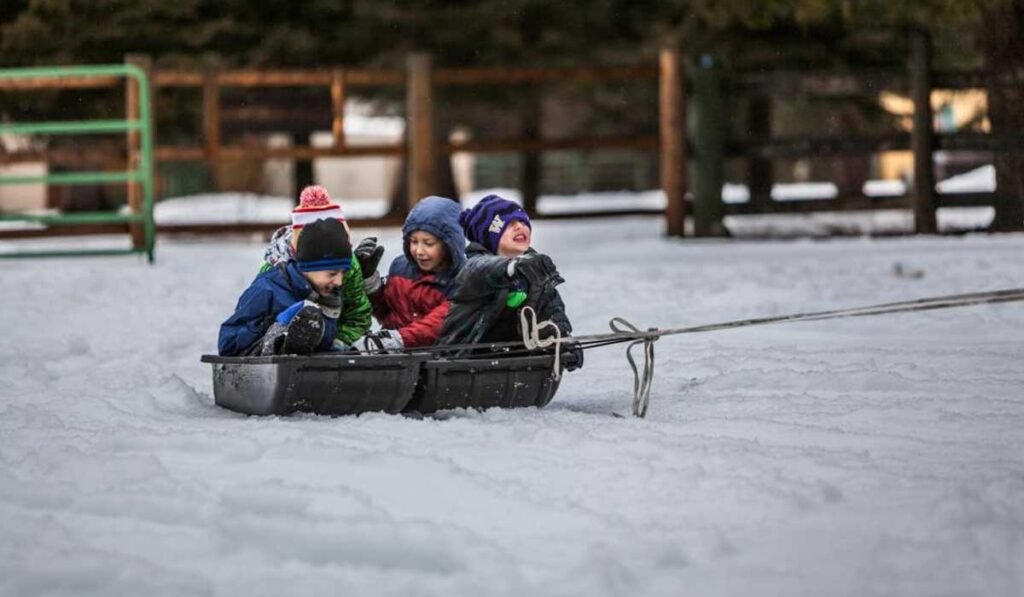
334 384
481 383
328 384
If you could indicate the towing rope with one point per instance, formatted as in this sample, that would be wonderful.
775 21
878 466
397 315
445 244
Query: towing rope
624 331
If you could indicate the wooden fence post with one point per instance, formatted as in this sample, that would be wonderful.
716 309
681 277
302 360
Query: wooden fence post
761 172
422 162
673 139
134 151
530 170
211 126
922 137
338 107
707 125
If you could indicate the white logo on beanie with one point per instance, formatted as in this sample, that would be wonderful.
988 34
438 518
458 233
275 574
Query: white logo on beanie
496 224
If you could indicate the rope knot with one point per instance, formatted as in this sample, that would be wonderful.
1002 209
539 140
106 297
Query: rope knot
531 328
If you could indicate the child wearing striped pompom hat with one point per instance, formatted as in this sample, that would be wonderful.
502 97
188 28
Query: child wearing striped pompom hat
316 204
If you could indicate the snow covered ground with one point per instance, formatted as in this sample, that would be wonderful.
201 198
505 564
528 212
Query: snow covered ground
873 456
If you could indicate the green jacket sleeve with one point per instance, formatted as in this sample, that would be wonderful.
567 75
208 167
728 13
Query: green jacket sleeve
356 311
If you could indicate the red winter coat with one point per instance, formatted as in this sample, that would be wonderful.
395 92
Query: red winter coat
414 305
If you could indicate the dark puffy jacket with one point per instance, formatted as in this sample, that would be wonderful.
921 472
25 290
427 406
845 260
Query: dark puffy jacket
270 293
414 302
479 313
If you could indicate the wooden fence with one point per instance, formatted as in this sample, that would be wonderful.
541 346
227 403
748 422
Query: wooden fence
420 149
710 146
685 87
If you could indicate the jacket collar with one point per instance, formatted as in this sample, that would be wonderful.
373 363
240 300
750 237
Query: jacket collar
298 283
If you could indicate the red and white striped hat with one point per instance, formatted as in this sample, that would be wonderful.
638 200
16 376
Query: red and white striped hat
315 204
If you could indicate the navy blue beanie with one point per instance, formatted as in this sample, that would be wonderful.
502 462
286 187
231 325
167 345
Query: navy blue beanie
486 221
324 246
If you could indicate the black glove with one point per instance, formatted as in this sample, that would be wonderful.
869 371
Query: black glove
535 268
572 356
368 253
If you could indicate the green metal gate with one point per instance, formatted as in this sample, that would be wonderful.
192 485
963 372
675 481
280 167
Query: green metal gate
141 173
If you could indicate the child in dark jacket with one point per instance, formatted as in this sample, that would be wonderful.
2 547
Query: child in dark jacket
412 302
316 204
293 308
503 274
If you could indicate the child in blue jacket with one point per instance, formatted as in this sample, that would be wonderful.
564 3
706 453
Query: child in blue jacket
294 307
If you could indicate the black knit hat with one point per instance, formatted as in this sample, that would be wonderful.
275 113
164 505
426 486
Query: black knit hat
324 245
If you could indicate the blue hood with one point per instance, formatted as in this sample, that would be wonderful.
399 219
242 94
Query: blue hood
438 216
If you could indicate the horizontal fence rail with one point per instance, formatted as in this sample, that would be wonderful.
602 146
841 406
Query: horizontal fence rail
421 150
137 125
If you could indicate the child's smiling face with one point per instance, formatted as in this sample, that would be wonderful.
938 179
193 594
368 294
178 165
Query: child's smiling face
325 282
427 250
515 240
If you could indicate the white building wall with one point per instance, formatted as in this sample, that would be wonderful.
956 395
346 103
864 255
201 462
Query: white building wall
22 197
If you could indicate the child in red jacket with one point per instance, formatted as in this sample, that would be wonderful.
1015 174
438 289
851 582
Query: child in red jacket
412 302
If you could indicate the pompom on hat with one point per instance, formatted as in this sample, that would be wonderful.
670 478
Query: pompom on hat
315 204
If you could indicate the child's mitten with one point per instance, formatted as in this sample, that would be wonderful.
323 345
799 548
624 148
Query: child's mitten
368 252
536 269
382 341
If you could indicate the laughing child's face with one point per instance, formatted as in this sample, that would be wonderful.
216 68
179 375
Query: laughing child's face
325 282
515 240
427 250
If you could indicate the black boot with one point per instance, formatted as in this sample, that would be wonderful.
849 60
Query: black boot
305 331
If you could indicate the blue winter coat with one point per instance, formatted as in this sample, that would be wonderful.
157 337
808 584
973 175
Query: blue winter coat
270 293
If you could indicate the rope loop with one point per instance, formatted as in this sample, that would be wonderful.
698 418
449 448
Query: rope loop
641 382
531 328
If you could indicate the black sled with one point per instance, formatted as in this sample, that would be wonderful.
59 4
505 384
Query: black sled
341 384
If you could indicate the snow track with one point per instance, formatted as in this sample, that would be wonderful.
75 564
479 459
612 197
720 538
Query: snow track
846 457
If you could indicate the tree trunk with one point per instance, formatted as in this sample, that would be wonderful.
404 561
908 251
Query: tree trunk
708 114
761 173
1004 49
530 174
303 168
445 183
